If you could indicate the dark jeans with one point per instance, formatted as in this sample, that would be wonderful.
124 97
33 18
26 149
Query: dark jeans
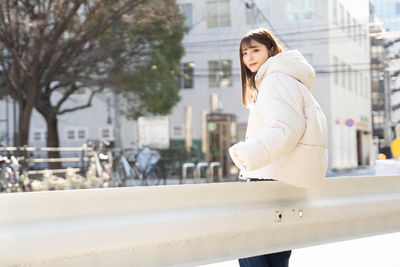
279 259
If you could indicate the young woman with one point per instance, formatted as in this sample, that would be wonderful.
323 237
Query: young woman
286 138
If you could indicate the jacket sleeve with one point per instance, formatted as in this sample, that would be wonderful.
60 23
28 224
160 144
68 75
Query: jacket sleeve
280 103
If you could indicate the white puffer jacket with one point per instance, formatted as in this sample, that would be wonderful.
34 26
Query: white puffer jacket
286 137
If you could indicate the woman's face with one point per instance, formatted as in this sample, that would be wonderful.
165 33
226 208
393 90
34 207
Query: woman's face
254 55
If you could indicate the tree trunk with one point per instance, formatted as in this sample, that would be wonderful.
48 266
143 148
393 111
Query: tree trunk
53 138
22 135
23 126
24 122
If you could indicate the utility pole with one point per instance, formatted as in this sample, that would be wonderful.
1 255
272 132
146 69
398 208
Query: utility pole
16 133
188 128
5 119
7 123
117 122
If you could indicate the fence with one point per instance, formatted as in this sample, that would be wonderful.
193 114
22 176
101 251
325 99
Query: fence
40 158
188 225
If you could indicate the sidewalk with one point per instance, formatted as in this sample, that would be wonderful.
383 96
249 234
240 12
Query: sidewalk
376 251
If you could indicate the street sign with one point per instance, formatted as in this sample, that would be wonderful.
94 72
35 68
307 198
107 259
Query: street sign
154 132
212 126
349 122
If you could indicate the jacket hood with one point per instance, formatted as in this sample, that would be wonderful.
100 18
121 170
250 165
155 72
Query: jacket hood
290 62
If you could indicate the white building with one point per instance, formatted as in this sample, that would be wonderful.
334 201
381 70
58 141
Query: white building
333 35
393 80
75 128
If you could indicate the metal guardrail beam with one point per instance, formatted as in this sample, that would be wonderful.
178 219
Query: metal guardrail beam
188 225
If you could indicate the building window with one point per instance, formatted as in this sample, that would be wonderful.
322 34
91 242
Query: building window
177 131
297 10
106 133
342 18
334 12
37 136
82 134
187 77
220 73
70 134
375 75
375 98
218 13
186 10
398 8
379 120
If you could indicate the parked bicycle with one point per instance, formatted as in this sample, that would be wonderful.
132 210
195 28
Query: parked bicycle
139 168
103 160
10 174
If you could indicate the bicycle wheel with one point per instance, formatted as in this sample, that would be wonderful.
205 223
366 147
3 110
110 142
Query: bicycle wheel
153 177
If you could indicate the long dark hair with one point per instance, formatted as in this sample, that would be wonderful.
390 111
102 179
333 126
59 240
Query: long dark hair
264 37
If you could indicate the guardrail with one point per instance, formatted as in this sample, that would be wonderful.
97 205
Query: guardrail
188 225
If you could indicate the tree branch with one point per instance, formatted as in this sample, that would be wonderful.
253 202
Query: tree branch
11 82
89 103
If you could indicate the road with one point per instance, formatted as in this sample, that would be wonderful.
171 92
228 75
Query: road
377 251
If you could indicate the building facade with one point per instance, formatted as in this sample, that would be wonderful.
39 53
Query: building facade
385 66
333 35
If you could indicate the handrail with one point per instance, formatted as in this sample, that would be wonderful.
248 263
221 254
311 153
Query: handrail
189 225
